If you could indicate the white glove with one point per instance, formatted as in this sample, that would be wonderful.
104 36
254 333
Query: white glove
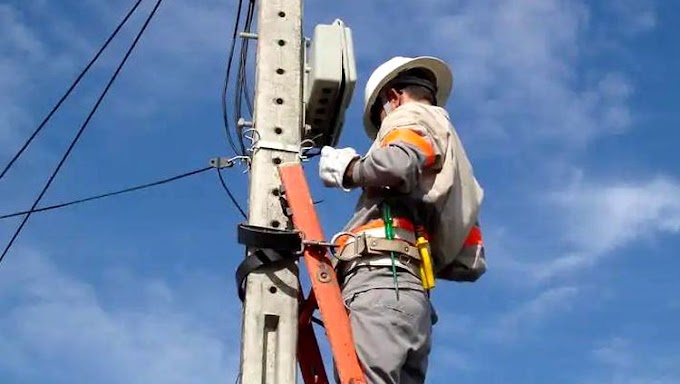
333 164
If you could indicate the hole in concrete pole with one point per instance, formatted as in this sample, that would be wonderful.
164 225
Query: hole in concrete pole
276 192
273 289
276 160
279 101
278 130
282 43
282 14
275 223
280 71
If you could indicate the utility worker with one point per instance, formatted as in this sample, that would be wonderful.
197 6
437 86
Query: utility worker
417 183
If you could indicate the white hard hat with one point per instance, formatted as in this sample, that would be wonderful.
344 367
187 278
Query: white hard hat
389 70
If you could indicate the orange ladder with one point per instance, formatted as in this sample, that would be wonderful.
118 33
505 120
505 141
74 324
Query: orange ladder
325 294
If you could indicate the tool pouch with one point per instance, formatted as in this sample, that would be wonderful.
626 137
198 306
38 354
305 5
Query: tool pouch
470 263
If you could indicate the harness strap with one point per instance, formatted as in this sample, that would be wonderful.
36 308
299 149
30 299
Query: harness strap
397 222
271 246
377 246
402 262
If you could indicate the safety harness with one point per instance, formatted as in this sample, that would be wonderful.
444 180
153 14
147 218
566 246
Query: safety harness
396 242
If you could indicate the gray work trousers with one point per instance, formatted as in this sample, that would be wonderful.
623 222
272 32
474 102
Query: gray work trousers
392 337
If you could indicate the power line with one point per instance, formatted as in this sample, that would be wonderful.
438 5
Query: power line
231 195
225 116
82 129
109 194
241 85
248 94
70 89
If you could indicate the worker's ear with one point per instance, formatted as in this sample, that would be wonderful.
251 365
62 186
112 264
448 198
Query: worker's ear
393 96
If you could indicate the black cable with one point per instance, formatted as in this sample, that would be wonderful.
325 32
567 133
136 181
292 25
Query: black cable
70 89
241 85
120 192
225 116
243 92
318 322
82 129
231 195
248 95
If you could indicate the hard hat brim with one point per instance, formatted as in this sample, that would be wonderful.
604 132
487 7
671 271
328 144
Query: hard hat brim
443 77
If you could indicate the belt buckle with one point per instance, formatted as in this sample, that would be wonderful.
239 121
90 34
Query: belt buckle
404 259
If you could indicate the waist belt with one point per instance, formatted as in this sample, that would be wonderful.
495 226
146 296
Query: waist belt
376 228
366 245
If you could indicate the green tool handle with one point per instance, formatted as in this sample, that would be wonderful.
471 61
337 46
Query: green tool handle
389 234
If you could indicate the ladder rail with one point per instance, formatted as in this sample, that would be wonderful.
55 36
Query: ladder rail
324 281
308 351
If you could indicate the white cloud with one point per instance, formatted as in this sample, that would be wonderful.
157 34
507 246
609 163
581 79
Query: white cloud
602 217
623 361
446 359
18 45
62 325
615 352
637 15
530 314
518 66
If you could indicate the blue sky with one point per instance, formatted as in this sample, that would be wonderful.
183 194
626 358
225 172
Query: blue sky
567 112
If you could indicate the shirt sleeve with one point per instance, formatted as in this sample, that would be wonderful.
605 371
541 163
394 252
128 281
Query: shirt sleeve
398 160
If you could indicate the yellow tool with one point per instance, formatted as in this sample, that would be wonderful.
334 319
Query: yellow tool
426 270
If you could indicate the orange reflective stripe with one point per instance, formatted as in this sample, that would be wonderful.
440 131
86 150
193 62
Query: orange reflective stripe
397 222
412 137
474 237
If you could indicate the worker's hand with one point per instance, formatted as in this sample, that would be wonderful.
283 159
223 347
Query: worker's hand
333 164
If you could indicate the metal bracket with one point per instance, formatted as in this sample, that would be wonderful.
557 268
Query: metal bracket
272 145
248 35
284 203
314 243
244 123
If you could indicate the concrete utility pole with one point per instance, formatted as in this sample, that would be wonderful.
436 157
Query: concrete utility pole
270 318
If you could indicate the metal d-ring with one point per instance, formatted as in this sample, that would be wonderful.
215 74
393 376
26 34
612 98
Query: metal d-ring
334 239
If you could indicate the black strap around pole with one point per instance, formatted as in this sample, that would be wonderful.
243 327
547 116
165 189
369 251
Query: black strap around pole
272 246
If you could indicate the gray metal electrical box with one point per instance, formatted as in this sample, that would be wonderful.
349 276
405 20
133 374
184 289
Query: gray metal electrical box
330 77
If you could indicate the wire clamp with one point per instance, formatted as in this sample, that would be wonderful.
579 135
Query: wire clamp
227 162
